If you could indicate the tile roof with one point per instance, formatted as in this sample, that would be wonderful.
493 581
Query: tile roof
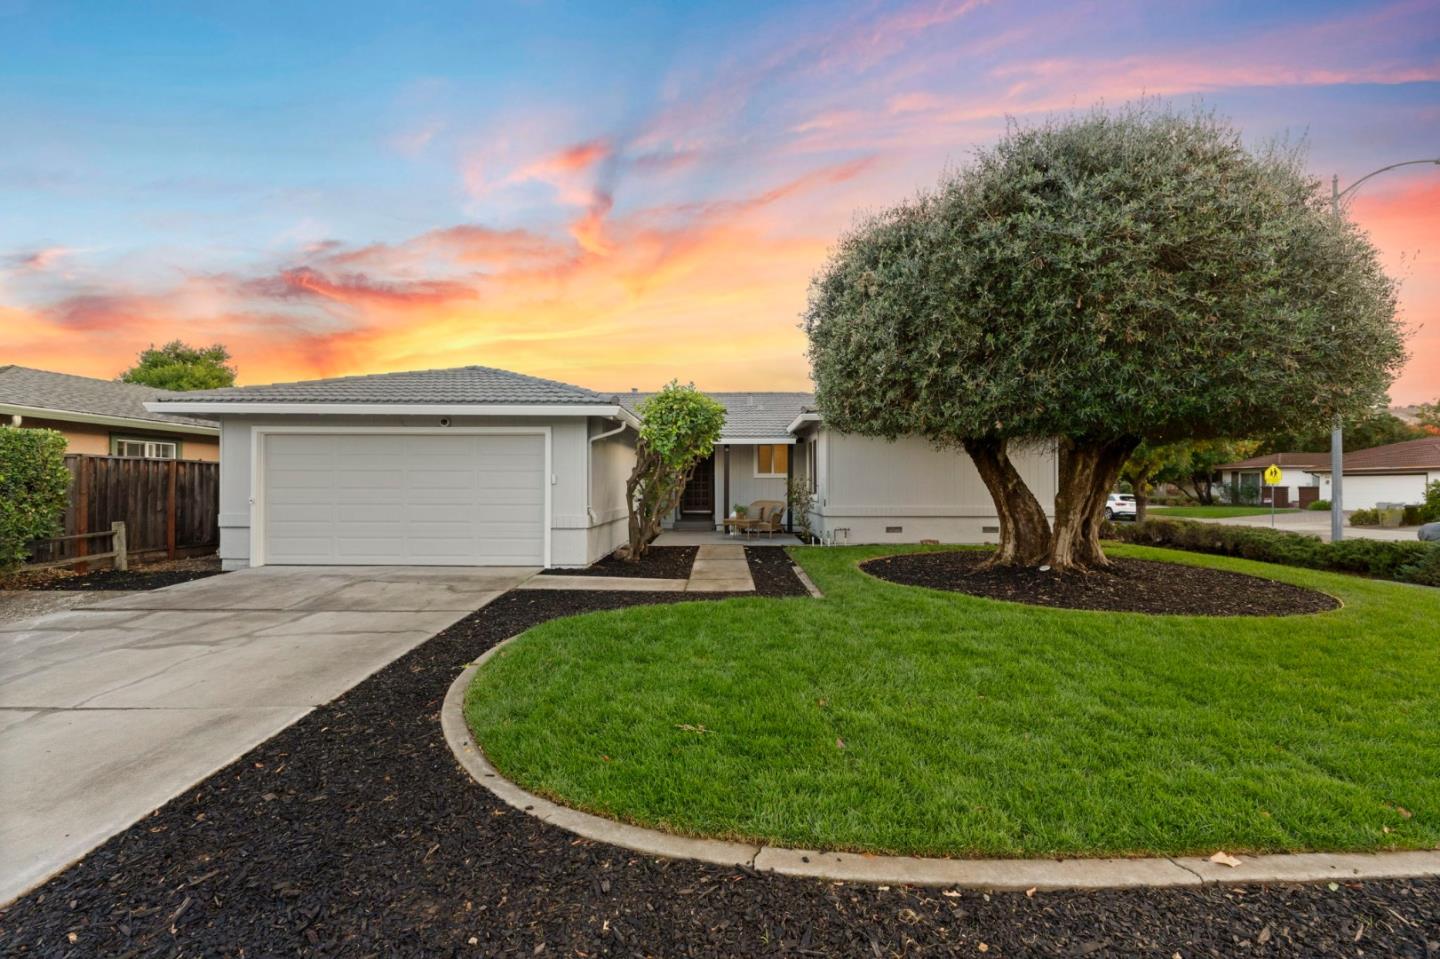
67 393
463 385
1297 460
749 415
1411 455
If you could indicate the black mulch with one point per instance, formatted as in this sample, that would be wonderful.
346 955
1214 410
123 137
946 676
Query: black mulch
1132 586
773 572
150 576
659 562
354 833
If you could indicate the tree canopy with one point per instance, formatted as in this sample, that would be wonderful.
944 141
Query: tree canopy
180 367
1362 431
1098 281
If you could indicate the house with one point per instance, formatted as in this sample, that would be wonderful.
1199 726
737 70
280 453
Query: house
1243 481
479 466
103 417
1396 473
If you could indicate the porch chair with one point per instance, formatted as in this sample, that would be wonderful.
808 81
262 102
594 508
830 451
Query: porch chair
770 519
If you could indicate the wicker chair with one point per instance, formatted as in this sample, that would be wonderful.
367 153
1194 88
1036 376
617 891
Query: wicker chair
769 520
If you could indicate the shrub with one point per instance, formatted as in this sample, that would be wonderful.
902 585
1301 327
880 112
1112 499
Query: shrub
1365 517
1408 562
33 488
1319 504
1430 511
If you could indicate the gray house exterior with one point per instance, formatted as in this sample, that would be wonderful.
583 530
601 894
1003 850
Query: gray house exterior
485 467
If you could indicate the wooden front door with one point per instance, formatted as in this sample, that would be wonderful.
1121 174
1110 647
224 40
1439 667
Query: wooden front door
699 496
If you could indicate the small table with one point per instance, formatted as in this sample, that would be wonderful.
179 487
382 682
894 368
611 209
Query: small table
738 524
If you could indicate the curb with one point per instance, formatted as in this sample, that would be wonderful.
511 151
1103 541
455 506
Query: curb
988 874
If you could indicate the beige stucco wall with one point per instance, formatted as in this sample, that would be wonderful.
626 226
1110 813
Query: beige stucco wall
906 490
94 440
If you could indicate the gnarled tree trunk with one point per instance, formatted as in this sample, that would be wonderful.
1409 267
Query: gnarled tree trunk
1024 530
1088 471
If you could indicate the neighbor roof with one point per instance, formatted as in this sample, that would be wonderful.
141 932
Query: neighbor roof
1297 460
64 394
749 415
1411 456
462 386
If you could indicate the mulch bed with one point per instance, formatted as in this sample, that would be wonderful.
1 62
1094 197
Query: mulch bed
149 576
659 562
354 832
773 572
1131 586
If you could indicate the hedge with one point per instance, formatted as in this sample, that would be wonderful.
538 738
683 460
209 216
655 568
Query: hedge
1403 561
34 486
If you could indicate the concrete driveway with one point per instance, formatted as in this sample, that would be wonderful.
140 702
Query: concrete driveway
109 711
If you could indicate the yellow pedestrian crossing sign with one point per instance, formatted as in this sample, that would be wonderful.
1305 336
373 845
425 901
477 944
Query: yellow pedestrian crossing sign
1273 475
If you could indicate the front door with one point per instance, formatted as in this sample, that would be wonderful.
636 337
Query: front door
699 496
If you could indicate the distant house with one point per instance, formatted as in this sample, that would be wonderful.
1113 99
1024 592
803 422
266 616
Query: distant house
103 417
1397 473
1243 481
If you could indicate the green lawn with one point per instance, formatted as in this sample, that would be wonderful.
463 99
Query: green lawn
1214 512
975 727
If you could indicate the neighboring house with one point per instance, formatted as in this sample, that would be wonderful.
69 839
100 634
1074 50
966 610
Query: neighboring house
1397 473
478 466
1243 481
103 417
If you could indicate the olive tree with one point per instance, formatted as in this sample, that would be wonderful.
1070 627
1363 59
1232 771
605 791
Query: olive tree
678 429
1092 283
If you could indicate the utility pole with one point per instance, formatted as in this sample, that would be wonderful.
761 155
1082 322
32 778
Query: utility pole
1337 434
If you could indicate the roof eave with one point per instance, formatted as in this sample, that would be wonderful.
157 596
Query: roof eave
239 407
801 420
99 419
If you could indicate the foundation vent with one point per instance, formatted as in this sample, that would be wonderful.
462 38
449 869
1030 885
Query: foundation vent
894 529
989 529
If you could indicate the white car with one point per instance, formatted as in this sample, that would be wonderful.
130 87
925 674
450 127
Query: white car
1120 506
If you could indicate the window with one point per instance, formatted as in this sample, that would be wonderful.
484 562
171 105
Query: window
149 449
772 460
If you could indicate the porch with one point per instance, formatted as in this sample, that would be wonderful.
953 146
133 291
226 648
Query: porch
699 537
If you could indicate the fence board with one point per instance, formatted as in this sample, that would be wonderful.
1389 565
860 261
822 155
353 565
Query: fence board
138 493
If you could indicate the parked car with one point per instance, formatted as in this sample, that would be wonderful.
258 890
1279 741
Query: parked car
1120 506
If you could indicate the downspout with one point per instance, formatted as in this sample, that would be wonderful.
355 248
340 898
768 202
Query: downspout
589 469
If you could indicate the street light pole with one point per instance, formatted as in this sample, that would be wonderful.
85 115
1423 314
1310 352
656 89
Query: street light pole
1337 435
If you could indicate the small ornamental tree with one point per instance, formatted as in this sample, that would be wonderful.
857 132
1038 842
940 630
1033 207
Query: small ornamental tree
1196 463
34 485
678 429
180 367
1092 283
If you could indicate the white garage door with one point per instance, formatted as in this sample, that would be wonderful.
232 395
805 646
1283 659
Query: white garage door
446 499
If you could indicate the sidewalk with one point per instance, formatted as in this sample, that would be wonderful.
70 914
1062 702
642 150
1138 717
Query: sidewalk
1315 523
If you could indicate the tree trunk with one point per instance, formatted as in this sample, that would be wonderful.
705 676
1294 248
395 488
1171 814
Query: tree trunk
1024 530
1088 471
1141 484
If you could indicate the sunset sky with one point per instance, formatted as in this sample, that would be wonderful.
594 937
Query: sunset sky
608 198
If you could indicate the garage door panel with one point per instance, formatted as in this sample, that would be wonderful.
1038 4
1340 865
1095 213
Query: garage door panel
378 499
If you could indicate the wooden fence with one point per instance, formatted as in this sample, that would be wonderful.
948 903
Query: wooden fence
169 507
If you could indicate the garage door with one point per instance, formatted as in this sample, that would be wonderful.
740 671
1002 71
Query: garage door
448 499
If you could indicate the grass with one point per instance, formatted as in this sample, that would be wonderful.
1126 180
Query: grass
1214 512
976 727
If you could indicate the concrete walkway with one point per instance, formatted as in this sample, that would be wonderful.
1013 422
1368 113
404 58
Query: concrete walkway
109 711
718 568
